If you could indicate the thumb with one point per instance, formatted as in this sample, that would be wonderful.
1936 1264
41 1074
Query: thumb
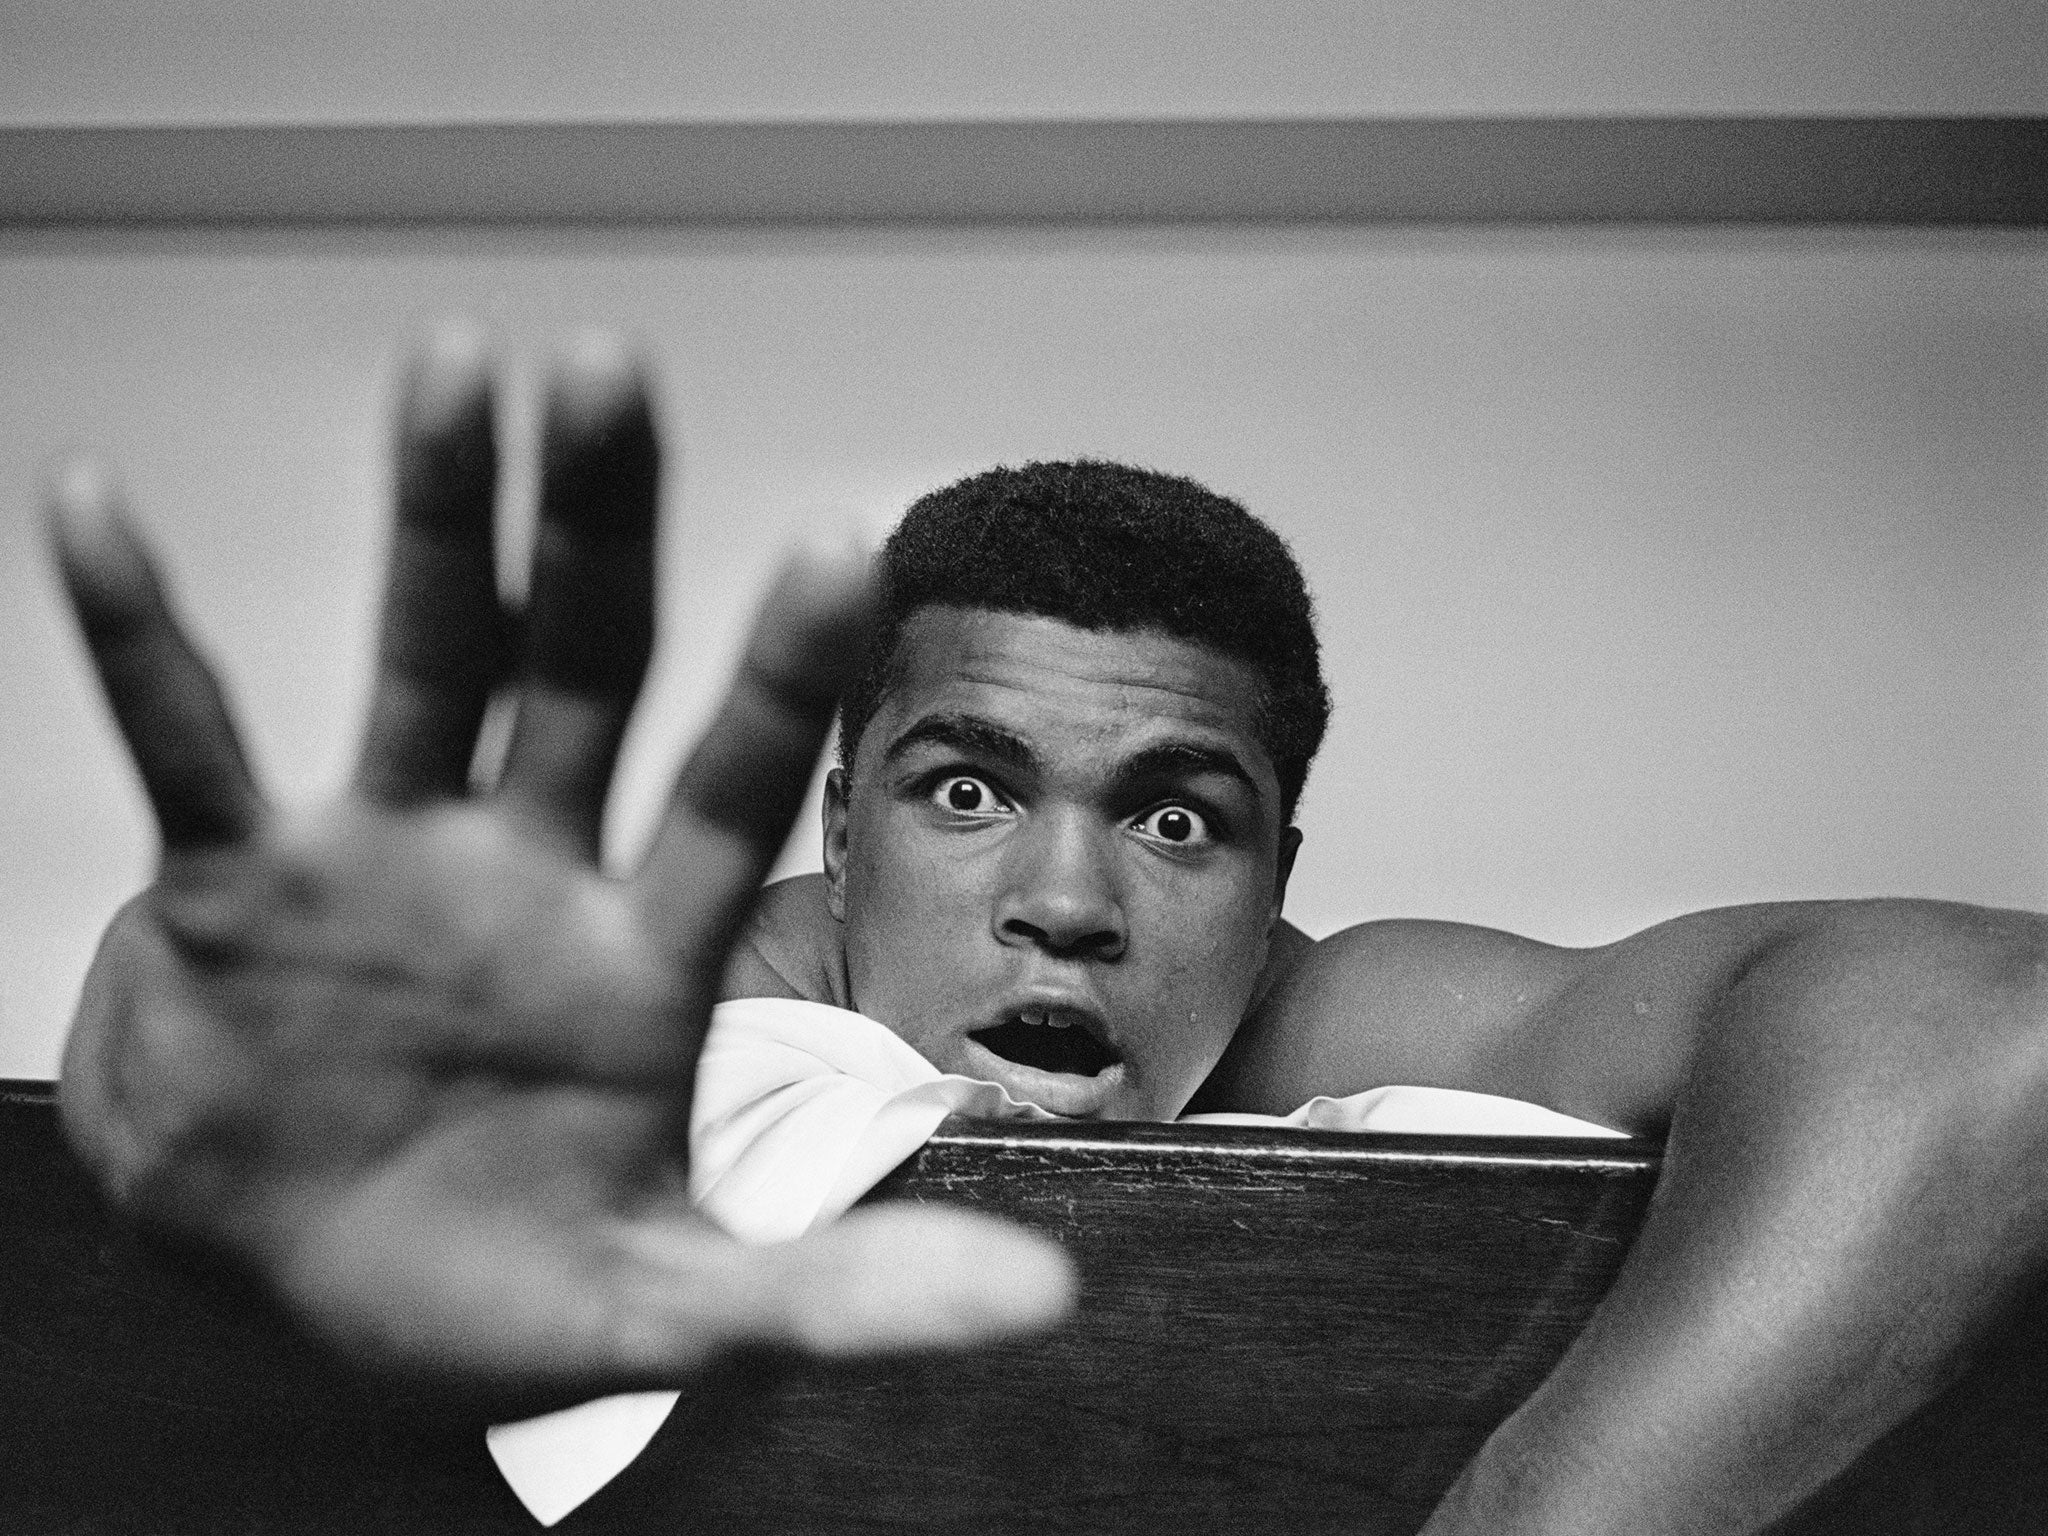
884 1279
904 1277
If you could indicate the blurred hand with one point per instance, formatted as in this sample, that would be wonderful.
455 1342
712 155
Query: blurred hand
412 1056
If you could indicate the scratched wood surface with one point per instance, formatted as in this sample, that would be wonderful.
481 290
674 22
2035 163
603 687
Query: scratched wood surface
1279 1331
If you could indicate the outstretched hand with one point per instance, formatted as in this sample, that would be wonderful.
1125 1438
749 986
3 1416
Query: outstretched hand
411 1056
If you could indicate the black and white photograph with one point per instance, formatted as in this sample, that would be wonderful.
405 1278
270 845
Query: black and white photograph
1024 767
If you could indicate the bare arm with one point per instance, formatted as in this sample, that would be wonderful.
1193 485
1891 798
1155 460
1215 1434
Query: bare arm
1853 1190
411 1057
1857 1103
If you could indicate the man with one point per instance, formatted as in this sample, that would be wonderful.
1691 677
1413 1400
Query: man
1058 840
423 1068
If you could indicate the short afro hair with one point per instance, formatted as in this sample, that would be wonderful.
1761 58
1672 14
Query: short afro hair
1106 546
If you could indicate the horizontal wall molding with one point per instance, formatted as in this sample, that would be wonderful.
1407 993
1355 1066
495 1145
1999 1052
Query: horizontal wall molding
1981 171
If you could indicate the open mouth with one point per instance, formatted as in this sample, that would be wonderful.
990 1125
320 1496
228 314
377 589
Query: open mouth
1045 1039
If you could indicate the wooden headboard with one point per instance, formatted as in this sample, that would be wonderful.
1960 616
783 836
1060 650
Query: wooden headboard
1280 1331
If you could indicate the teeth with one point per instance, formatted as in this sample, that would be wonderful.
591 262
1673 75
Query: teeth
1045 1018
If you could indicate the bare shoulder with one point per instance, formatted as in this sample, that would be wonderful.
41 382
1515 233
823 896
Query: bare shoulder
1400 1000
790 947
1601 1032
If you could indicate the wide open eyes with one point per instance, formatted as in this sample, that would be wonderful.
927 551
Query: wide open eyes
1174 824
970 798
965 795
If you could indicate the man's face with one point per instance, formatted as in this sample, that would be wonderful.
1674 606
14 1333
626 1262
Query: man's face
1059 859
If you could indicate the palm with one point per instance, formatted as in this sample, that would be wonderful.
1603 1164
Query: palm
415 1058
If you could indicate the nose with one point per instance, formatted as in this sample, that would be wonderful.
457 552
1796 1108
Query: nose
1058 891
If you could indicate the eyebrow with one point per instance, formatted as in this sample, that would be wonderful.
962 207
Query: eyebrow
966 733
1184 759
984 738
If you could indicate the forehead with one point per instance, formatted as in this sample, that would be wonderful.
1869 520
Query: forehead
1069 690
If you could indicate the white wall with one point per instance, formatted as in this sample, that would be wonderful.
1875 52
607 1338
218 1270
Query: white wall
209 61
1657 569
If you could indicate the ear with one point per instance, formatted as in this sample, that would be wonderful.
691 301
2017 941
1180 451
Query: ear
835 842
1290 845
